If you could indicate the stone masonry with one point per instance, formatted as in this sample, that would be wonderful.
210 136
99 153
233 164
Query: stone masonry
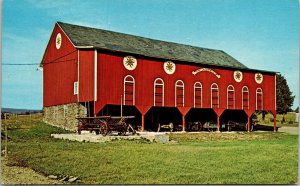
64 116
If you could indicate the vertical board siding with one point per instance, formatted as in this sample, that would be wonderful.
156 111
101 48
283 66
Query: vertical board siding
86 75
59 71
111 73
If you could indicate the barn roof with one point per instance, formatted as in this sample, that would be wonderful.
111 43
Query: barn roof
82 36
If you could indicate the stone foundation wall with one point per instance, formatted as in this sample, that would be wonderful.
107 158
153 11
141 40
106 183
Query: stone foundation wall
64 116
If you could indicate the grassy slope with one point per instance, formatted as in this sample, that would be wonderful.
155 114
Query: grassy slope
289 119
206 158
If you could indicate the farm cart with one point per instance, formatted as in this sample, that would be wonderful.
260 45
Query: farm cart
211 126
238 125
105 124
194 126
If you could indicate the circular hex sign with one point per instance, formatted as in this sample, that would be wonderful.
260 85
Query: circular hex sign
58 41
259 78
169 67
238 76
130 62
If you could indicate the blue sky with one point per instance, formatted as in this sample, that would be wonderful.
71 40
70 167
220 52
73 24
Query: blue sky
262 34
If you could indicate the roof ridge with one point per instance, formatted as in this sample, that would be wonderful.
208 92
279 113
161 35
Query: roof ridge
83 36
132 35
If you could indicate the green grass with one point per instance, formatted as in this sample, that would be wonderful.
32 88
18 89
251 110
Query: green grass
289 119
204 158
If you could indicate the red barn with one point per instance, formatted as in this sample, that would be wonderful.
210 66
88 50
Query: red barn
91 72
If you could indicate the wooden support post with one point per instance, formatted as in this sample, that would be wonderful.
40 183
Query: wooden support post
183 123
95 114
249 124
218 123
143 122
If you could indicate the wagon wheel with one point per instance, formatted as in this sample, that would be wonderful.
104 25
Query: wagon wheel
79 129
200 126
122 132
104 129
131 129
171 127
158 129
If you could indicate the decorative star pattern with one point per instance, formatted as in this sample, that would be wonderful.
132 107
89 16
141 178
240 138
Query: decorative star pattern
58 40
258 77
130 62
238 75
169 66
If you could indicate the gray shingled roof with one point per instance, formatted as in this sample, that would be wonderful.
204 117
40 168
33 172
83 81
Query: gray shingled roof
85 36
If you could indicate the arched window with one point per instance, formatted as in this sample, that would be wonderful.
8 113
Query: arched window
245 97
197 95
179 93
259 99
230 97
158 92
129 90
214 96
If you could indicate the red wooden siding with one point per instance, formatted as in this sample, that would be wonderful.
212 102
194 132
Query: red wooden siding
59 71
111 74
86 75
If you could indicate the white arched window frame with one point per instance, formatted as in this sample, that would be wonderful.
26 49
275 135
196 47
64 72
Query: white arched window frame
245 97
129 81
197 89
179 85
259 95
156 85
230 90
214 88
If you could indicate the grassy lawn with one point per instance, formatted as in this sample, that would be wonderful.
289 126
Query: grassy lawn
202 158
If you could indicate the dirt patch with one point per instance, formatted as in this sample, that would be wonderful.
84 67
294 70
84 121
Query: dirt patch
290 130
22 175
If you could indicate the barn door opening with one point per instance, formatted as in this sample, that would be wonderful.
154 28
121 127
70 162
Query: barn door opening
201 115
163 116
238 119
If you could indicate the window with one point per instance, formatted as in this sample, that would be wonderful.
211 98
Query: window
197 95
158 92
75 87
245 98
230 97
179 93
214 96
259 99
129 90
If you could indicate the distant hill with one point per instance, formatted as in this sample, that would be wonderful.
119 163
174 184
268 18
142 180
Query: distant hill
19 111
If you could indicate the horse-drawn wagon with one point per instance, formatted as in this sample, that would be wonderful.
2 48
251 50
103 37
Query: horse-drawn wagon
106 124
